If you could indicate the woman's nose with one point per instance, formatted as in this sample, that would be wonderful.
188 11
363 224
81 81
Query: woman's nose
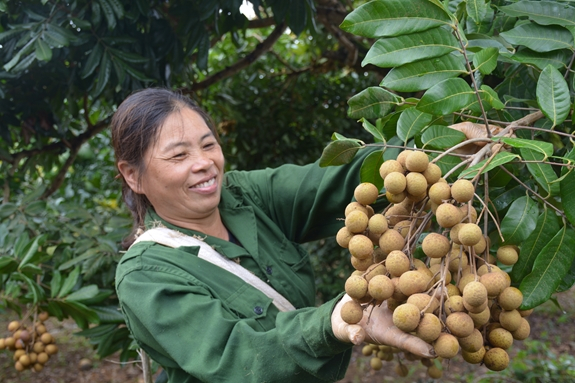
202 163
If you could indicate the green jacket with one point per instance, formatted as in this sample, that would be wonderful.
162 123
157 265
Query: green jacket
203 324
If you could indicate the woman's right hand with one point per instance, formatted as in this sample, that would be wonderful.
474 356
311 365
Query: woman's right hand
377 327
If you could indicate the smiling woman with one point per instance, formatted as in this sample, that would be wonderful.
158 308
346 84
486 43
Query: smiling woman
216 287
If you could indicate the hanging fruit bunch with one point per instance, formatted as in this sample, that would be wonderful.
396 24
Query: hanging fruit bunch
427 257
32 345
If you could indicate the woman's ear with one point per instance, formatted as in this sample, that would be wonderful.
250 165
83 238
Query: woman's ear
131 176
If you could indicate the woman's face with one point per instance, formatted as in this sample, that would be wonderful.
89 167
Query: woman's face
184 169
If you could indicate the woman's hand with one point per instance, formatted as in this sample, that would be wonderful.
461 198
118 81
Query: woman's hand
377 327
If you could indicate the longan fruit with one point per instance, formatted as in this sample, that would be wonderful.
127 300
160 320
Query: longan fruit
367 350
18 353
496 359
507 255
395 214
355 286
40 329
395 198
462 190
13 326
376 363
401 370
402 156
38 367
416 184
353 206
43 316
469 234
380 287
474 357
391 240
447 215
475 293
373 270
437 270
416 161
397 263
356 221
395 182
377 224
439 192
435 245
463 281
523 331
51 349
2 344
412 282
500 337
454 304
432 174
361 264
343 236
480 246
406 317
495 282
433 371
510 298
38 347
366 193
19 367
24 360
390 166
429 327
460 324
351 312
360 246
424 302
473 342
9 342
403 227
480 318
510 320
446 346
43 358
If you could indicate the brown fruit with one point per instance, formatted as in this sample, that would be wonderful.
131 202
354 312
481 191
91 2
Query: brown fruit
480 318
391 240
360 246
510 320
376 363
500 337
397 263
474 357
38 367
24 360
439 192
380 288
13 326
377 224
412 282
470 234
395 214
43 316
446 346
38 347
510 298
343 237
51 349
390 166
433 371
462 190
416 161
366 193
507 255
353 206
43 358
19 367
447 215
351 312
401 370
454 304
425 302
495 282
416 184
460 324
40 329
472 342
395 183
356 221
429 328
435 245
432 174
523 331
373 270
496 359
406 317
361 264
46 338
356 286
395 198
475 293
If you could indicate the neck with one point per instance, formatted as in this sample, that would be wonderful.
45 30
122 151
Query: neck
211 225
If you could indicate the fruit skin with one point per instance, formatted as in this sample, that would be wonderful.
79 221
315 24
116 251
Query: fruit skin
435 245
469 234
395 182
475 293
439 192
460 324
429 328
447 215
446 346
356 221
390 166
416 161
366 193
360 246
380 288
474 357
351 312
510 298
356 286
507 255
500 337
462 190
406 317
496 359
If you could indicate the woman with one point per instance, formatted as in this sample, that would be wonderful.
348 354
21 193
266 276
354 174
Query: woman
200 322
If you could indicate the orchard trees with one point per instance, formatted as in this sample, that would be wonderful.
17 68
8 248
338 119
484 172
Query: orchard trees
484 90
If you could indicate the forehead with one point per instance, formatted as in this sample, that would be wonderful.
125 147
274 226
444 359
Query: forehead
183 123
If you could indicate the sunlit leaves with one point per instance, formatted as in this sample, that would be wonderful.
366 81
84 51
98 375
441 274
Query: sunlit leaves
520 221
553 95
339 152
542 12
446 97
372 102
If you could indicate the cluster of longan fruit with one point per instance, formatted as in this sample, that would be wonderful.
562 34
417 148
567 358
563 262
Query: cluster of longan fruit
452 295
32 346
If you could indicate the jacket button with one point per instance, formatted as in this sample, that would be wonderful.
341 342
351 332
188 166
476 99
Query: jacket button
258 310
269 270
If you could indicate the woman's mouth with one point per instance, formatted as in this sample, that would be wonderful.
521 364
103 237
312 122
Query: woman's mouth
205 184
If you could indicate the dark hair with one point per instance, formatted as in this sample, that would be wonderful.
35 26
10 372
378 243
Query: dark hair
135 126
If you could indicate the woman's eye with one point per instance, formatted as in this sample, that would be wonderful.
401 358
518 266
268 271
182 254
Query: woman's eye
179 155
209 146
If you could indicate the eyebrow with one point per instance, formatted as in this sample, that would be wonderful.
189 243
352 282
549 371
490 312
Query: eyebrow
183 143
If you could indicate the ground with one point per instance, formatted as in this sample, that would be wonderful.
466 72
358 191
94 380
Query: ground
551 333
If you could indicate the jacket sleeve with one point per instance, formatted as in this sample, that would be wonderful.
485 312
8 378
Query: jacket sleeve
182 326
307 202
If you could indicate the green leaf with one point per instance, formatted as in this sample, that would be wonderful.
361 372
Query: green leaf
491 97
567 193
81 314
56 36
553 95
557 59
476 9
539 38
7 265
7 209
441 137
92 61
109 314
503 200
396 51
33 287
103 75
542 147
117 7
69 283
42 50
373 102
546 228
520 221
543 173
91 252
32 249
394 17
339 152
447 163
96 331
55 283
35 208
373 130
108 13
424 74
551 265
411 122
369 171
486 60
446 97
542 12
86 292
499 159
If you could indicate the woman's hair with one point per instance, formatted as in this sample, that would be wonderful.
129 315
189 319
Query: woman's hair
135 127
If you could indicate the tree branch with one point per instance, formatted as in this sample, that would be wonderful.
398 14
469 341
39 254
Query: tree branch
260 49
